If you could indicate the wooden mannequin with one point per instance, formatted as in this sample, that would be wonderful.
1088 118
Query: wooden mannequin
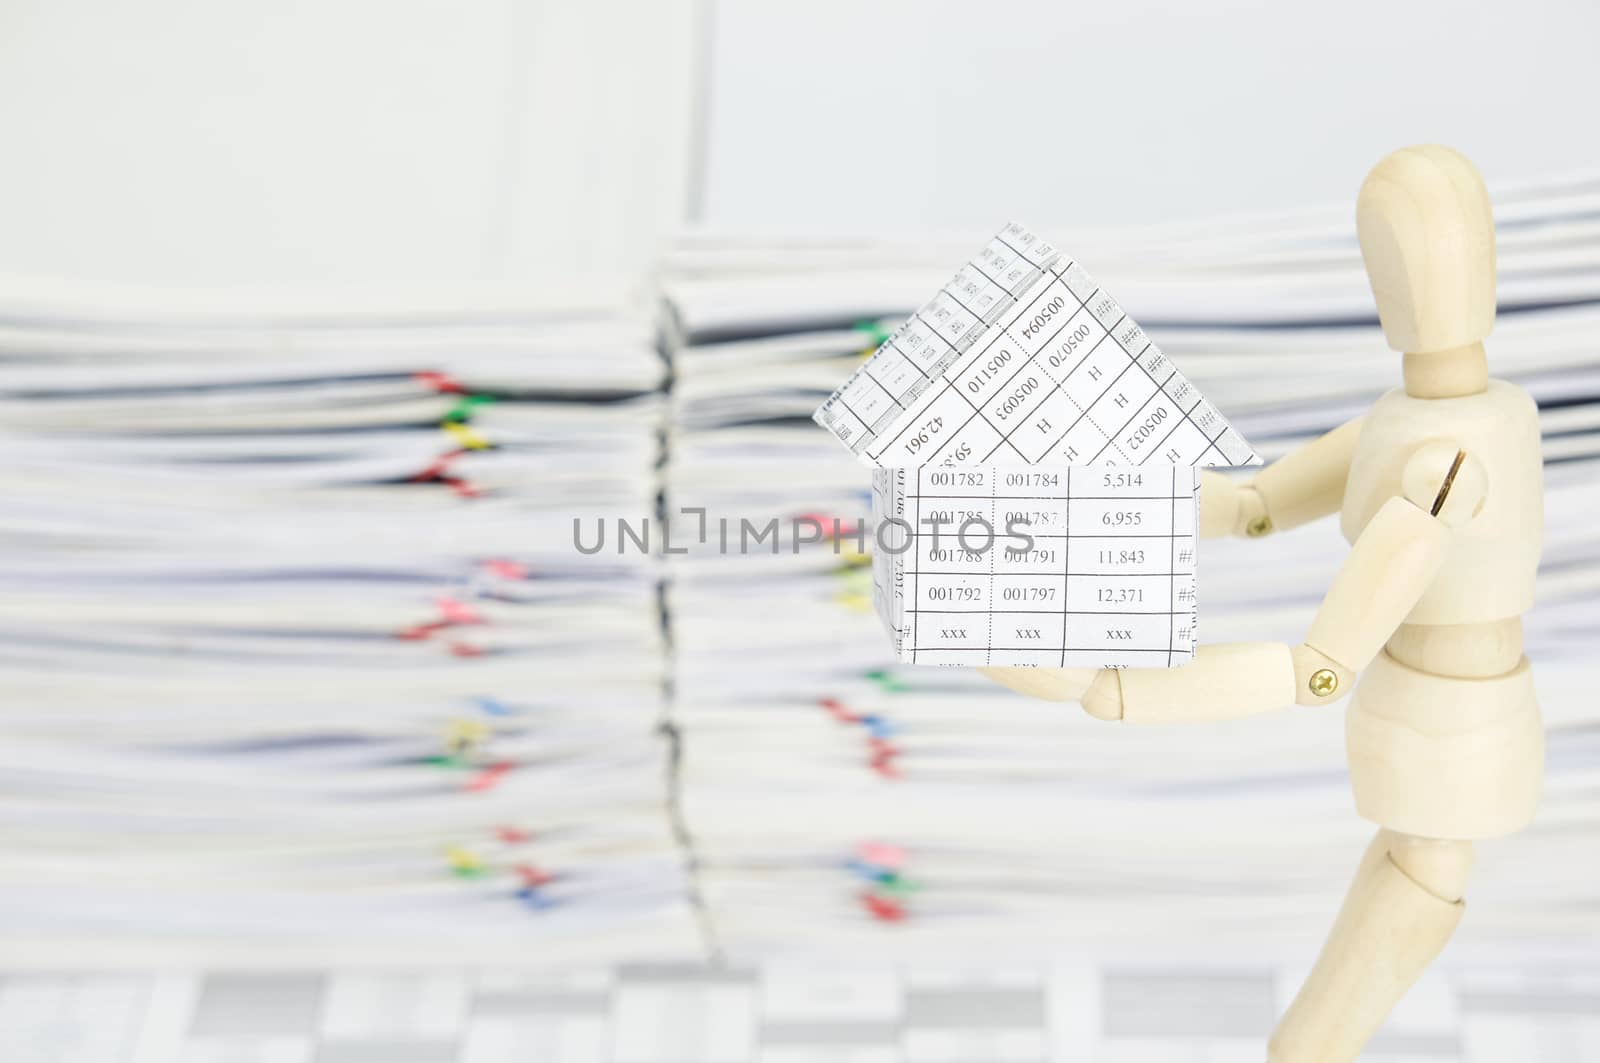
1440 493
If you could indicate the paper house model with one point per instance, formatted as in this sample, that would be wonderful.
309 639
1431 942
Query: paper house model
1035 484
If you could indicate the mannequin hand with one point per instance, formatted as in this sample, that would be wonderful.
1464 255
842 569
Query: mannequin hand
1229 508
1096 688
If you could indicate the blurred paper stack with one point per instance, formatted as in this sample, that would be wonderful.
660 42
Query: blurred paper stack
883 807
300 657
310 653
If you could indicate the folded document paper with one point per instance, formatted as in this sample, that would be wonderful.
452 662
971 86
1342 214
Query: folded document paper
1036 495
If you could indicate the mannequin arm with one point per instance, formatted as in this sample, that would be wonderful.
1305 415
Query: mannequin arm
1297 488
1390 566
1223 681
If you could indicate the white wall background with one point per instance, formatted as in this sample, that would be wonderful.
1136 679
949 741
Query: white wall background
438 149
343 148
899 114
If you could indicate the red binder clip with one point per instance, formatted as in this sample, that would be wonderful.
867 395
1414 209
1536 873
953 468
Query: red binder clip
506 569
532 877
439 472
881 854
490 777
454 611
883 759
440 382
884 909
838 710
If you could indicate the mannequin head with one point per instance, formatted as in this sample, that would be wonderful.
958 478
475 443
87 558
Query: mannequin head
1427 237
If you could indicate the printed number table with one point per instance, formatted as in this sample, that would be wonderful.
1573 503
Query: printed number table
1070 567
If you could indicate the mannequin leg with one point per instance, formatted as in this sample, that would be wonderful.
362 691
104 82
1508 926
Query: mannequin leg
1402 907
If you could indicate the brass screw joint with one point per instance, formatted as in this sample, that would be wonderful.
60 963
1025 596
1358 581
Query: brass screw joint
1324 682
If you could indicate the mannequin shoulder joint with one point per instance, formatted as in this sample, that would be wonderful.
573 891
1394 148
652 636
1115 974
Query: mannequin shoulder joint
1446 481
